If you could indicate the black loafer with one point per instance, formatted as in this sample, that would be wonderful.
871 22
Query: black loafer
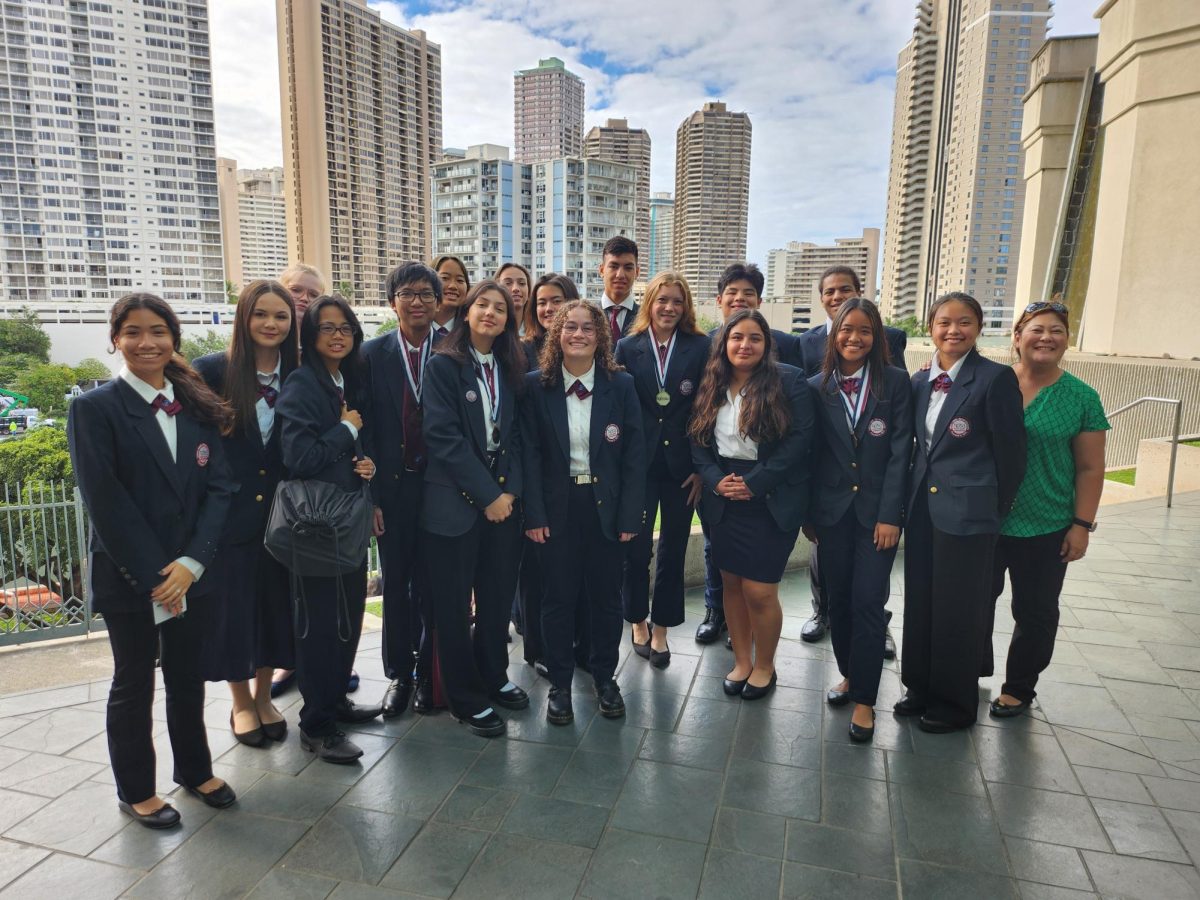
397 697
218 799
814 629
558 707
733 688
861 734
249 738
283 685
889 645
165 816
712 626
275 731
423 698
660 660
612 705
909 706
642 650
513 698
352 714
333 748
750 692
835 697
937 726
998 710
487 725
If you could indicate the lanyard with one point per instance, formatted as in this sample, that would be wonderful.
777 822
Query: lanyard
854 410
415 378
487 376
660 364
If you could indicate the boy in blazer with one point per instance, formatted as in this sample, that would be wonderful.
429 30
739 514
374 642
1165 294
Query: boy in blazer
619 270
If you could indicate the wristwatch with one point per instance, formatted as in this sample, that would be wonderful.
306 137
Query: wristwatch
1084 523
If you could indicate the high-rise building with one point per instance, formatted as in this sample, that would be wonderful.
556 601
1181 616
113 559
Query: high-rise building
482 209
662 235
967 185
108 173
547 112
253 222
794 273
616 141
362 128
712 194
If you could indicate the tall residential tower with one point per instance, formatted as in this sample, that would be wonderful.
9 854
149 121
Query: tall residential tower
253 222
547 112
616 141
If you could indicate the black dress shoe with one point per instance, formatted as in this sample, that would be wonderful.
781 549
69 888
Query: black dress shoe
642 650
489 725
834 697
333 748
909 706
423 698
218 799
351 713
860 734
889 645
750 692
558 706
353 682
397 697
937 726
612 706
731 687
249 738
513 698
712 626
814 629
166 816
275 731
998 710
660 660
541 668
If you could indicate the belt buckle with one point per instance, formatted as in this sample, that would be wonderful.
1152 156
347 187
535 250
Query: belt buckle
581 479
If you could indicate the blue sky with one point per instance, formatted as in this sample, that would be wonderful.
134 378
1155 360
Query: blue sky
816 76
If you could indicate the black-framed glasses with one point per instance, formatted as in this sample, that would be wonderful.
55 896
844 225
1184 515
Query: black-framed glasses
1042 305
426 297
329 329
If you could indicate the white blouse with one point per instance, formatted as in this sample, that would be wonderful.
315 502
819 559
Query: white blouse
731 443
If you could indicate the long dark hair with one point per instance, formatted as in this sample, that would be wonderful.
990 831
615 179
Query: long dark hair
877 359
506 349
241 379
308 340
533 328
197 398
765 412
550 362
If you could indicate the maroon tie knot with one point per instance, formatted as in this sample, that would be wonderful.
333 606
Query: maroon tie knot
613 311
850 386
268 393
942 383
579 390
170 407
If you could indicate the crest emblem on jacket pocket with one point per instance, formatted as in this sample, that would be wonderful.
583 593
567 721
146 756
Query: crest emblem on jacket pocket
877 428
686 387
959 427
612 434
471 396
202 454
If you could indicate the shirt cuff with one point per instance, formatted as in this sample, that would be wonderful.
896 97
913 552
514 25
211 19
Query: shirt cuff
353 430
196 568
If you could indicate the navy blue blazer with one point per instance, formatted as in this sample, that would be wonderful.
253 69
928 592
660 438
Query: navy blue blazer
869 468
616 449
146 509
533 351
459 484
783 471
256 468
813 342
977 458
385 374
316 445
787 346
665 427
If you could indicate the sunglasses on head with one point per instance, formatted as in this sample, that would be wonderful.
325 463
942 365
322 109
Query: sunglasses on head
1042 305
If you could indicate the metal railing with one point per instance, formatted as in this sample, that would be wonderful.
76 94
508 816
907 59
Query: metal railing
1178 404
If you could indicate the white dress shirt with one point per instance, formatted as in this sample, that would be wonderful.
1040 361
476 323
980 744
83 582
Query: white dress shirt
579 420
263 410
937 398
626 307
167 425
489 421
731 443
339 381
448 325
853 398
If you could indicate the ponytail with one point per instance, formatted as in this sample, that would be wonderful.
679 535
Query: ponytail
197 397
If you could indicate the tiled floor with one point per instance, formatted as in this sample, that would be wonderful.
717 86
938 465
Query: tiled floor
1096 793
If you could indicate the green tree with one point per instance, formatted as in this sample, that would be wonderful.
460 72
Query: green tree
706 324
23 333
39 456
346 289
92 369
212 342
386 326
231 291
45 385
910 325
13 365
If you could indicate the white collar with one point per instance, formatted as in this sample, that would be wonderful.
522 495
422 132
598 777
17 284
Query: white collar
448 324
626 304
339 380
858 373
272 376
145 391
405 345
588 378
935 370
484 358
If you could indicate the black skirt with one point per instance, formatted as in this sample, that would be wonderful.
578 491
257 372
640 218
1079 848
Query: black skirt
249 615
748 542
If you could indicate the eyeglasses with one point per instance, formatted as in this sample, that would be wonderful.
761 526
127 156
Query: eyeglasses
328 329
573 327
1041 305
425 297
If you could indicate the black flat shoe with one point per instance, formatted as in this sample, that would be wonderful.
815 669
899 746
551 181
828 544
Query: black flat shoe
352 714
937 726
612 705
660 660
396 698
513 698
860 734
165 816
712 626
750 692
558 707
333 748
275 731
834 697
352 682
218 798
489 725
423 698
814 629
909 706
642 650
249 738
998 710
733 688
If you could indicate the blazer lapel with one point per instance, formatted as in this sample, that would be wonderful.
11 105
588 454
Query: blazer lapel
395 374
921 388
601 403
146 425
556 401
837 415
959 391
475 416
865 416
187 446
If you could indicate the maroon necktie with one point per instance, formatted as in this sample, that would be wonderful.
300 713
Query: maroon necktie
579 390
170 407
268 393
414 363
441 331
850 386
662 356
612 321
942 383
341 395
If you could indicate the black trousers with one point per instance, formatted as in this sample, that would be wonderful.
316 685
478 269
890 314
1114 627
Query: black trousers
403 580
484 561
1036 570
325 649
947 588
820 593
529 592
663 493
582 556
136 641
857 577
714 586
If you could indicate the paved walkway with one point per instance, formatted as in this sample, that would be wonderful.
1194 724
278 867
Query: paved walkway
1097 793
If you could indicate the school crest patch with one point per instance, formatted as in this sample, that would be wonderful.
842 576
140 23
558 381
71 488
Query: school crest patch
612 434
959 427
203 454
877 428
471 396
686 387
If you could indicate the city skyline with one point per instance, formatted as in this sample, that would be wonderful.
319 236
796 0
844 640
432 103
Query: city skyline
652 67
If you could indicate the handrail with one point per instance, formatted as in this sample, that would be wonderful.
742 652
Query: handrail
1178 404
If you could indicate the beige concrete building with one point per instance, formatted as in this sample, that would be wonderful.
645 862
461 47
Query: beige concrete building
548 105
1111 222
253 222
712 194
616 141
662 235
794 273
362 125
973 194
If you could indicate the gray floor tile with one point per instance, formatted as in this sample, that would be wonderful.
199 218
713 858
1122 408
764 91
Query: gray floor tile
60 875
16 806
778 790
848 802
848 850
805 882
1032 891
739 876
1047 816
857 760
712 719
350 890
1047 864
436 860
653 709
1032 760
442 730
1084 707
931 882
143 848
77 822
18 858
542 871
56 732
47 776
1187 828
1137 830
612 736
947 829
374 748
353 844
667 800
954 778
1122 753
548 819
285 884
531 725
637 865
476 807
687 750
750 832
1109 785
781 737
519 766
1141 879
594 778
412 779
281 797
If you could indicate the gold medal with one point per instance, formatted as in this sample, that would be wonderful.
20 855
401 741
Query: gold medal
662 398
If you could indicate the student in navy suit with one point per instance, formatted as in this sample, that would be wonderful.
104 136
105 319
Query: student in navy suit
396 365
326 439
865 410
665 353
146 450
619 270
470 517
837 285
752 435
455 284
740 287
968 464
585 462
514 278
250 622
